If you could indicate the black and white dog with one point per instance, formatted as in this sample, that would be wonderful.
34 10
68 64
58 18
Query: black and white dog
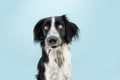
55 34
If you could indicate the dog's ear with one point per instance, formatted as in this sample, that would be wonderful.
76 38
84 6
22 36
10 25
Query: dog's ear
71 30
38 31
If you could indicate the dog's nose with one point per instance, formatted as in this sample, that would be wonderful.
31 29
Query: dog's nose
52 40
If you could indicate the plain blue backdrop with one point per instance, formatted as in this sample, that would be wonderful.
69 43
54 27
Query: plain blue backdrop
95 56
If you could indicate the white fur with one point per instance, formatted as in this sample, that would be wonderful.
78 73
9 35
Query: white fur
52 70
53 31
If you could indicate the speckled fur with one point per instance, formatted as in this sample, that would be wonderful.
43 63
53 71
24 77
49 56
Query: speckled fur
59 66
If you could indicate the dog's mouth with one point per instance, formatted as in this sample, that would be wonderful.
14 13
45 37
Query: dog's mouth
56 46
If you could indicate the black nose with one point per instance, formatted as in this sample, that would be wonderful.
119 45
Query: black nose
52 40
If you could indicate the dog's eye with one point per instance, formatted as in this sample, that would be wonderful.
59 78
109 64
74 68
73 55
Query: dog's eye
60 26
46 27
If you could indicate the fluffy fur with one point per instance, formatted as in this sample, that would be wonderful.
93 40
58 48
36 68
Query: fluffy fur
54 35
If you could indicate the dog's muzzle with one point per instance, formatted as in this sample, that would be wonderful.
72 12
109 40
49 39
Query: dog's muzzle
53 41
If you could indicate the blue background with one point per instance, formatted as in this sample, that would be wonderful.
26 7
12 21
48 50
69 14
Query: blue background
95 56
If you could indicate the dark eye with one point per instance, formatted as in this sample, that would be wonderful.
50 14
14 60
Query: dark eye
46 27
60 26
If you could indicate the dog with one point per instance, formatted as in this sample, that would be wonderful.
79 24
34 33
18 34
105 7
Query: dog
55 34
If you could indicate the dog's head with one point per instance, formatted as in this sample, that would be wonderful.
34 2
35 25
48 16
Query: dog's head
54 31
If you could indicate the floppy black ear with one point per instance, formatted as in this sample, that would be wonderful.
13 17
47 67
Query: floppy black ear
71 30
38 32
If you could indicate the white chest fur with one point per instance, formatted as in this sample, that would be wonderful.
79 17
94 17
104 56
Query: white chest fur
59 65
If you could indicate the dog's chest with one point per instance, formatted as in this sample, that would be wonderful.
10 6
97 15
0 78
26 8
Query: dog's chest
59 66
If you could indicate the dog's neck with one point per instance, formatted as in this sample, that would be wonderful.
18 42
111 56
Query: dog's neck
59 65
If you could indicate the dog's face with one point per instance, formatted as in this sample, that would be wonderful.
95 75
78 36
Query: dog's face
54 31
